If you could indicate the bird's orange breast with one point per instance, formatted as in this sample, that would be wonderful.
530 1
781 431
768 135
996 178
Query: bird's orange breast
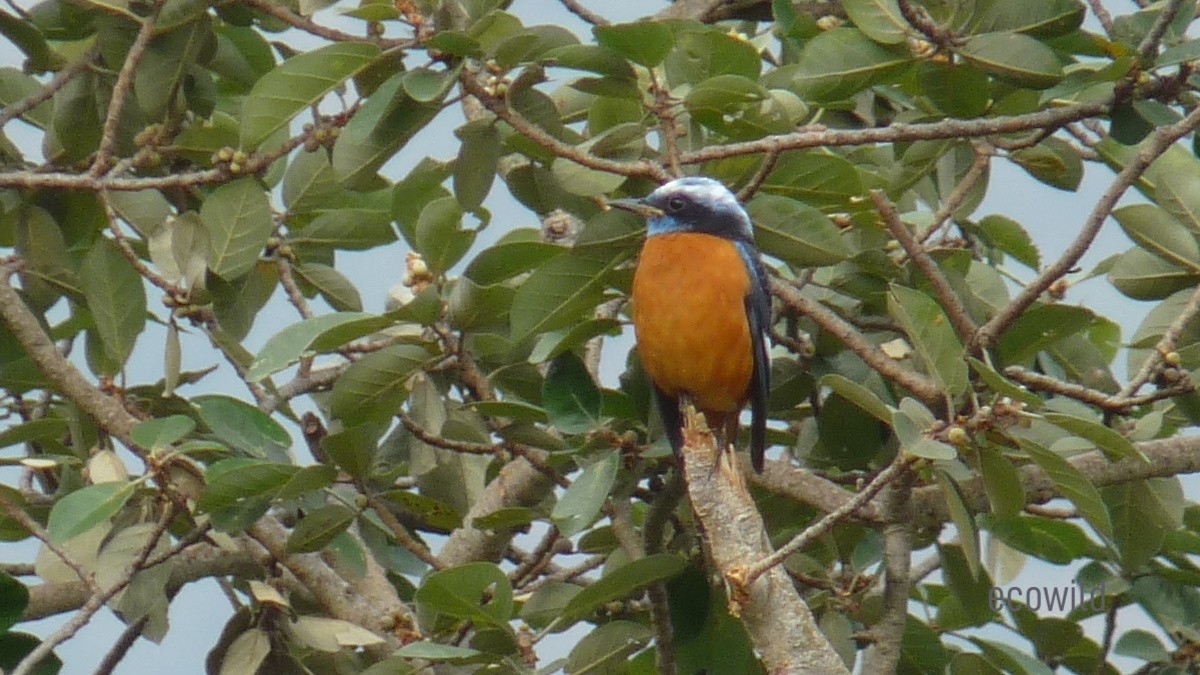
690 316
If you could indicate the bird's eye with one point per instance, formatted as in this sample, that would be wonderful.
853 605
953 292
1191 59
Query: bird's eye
676 204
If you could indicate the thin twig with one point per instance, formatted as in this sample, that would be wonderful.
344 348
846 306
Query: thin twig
668 128
425 436
500 108
122 90
410 543
173 290
1110 632
575 7
1118 403
311 27
1166 344
1163 138
97 600
963 324
760 176
1102 15
23 519
47 91
810 533
1148 47
958 195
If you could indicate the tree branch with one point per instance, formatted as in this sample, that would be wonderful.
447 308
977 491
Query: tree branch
781 626
947 298
918 384
1163 138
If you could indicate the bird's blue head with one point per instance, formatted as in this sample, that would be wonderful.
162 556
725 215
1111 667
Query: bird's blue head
698 204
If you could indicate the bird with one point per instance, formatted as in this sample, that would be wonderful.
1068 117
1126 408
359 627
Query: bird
701 309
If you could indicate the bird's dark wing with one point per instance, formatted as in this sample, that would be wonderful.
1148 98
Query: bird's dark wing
758 316
668 411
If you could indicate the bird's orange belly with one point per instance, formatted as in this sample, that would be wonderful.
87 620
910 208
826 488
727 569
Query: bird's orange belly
690 316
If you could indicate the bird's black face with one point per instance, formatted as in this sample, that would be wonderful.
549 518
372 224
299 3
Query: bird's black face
699 205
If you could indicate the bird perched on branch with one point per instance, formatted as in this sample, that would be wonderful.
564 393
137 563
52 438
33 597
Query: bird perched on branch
701 309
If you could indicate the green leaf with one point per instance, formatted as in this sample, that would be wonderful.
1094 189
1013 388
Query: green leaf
232 480
858 395
959 90
33 430
1054 541
1014 57
116 298
333 286
1140 521
505 260
963 518
26 37
1041 18
290 344
570 396
373 387
432 651
619 584
475 167
560 292
1071 484
839 63
1039 328
1112 442
297 84
1156 231
477 591
1009 236
237 217
440 237
552 345
580 504
1001 482
245 427
347 230
76 124
931 336
1142 275
1141 644
164 69
881 20
432 512
1179 194
15 86
14 597
1053 162
318 528
354 448
644 42
308 479
999 384
86 508
161 433
608 647
796 232
384 124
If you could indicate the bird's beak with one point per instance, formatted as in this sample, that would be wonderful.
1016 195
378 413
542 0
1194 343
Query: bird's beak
635 206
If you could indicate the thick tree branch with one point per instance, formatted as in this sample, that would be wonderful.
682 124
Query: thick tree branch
61 374
1168 457
781 626
888 633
